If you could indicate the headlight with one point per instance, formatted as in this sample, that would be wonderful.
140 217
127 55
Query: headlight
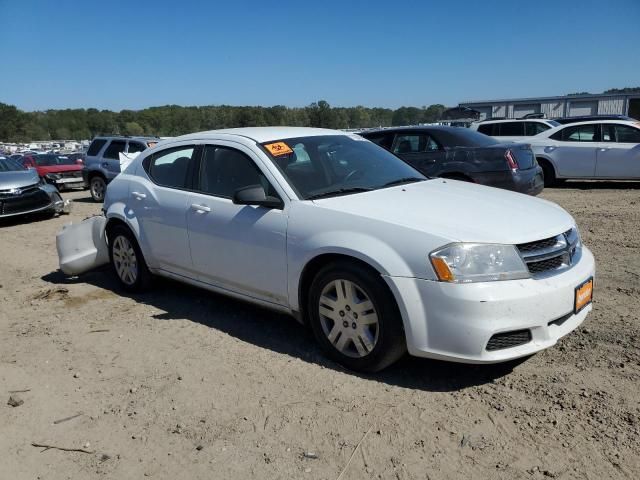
478 262
52 176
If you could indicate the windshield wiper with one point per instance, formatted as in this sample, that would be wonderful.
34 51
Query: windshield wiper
340 191
400 181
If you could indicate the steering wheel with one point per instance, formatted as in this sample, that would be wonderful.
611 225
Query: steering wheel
352 174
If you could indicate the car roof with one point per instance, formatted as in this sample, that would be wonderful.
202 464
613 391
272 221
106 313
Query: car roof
259 134
124 137
504 120
444 128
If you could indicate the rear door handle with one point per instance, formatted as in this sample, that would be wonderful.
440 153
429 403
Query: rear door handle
200 208
604 149
138 195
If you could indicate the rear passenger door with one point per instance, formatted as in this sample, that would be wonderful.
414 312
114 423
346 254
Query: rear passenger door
573 150
420 150
239 248
618 153
159 200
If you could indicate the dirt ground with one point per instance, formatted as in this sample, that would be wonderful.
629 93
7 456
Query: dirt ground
182 383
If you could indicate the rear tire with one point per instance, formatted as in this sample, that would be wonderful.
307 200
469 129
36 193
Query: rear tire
548 173
98 187
355 318
127 261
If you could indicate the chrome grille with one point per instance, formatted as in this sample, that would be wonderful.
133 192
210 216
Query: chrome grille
504 340
550 255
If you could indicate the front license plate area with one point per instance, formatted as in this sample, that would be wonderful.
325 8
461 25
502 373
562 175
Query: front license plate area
583 295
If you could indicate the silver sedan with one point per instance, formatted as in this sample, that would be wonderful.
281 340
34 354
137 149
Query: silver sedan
605 150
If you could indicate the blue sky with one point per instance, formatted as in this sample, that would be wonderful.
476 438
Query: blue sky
135 54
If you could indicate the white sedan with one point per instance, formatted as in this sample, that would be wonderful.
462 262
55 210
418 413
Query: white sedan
343 235
604 149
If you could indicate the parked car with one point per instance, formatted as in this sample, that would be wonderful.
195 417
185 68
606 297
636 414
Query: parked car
606 149
102 162
463 154
351 240
513 129
23 192
77 157
58 170
588 118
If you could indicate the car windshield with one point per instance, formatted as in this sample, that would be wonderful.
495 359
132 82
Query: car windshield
9 165
51 160
331 165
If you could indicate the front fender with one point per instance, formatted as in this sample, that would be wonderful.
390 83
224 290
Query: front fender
366 248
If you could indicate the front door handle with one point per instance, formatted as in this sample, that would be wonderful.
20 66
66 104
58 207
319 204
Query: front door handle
138 195
200 208
605 149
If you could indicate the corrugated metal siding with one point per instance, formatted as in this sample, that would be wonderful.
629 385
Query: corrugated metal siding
552 109
611 106
499 110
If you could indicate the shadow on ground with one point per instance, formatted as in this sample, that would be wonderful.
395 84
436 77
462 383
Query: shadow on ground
282 334
597 185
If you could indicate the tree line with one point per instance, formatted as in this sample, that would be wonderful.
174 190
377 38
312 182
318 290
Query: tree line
171 120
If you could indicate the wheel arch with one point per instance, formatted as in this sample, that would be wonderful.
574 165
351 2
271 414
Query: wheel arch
315 264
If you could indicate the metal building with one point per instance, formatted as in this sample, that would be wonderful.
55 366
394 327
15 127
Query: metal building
566 106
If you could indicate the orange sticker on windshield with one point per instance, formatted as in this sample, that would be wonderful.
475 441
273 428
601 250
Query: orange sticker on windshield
278 148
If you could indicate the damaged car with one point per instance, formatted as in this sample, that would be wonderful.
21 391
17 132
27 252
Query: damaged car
335 230
22 192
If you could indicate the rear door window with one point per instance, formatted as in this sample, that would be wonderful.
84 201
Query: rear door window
114 148
577 133
385 140
415 143
169 168
96 146
512 129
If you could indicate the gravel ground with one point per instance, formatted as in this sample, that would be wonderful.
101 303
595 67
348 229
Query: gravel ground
182 383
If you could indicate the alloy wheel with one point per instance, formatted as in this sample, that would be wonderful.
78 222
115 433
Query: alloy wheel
97 189
125 260
348 318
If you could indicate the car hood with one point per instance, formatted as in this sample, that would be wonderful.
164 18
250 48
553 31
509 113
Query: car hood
43 170
19 179
458 211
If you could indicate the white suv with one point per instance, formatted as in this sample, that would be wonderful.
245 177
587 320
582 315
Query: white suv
514 129
348 238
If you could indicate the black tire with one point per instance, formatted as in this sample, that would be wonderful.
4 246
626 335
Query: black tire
390 343
97 187
548 173
458 176
118 235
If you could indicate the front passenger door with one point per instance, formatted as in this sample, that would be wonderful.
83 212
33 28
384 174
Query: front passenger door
239 248
618 152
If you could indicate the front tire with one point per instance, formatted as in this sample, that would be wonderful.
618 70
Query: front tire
354 317
127 261
98 187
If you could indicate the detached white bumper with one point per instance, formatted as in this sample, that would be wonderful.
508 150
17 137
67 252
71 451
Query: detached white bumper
456 321
83 246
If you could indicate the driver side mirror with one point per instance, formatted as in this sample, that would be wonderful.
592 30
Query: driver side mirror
255 195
